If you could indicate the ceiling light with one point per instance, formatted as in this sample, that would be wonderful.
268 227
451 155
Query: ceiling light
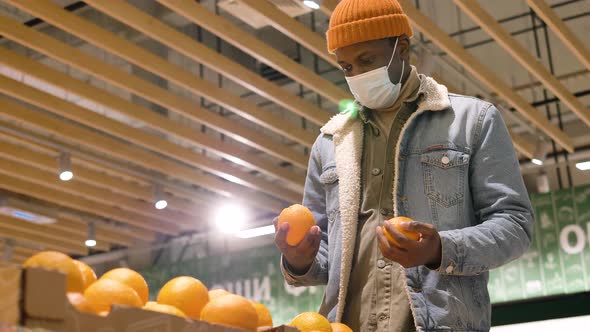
159 201
91 239
583 166
256 232
65 167
311 4
540 153
230 219
12 208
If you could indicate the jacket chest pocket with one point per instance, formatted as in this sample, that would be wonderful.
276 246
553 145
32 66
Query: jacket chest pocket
329 179
445 174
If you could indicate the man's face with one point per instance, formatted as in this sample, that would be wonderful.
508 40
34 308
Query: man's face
363 57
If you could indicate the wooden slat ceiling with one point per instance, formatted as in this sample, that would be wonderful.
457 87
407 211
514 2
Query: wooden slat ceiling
79 83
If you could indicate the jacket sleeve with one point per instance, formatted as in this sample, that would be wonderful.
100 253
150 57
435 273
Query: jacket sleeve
314 198
501 204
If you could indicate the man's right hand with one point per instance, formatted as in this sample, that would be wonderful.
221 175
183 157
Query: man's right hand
301 256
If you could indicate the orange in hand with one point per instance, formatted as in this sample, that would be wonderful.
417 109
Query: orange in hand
300 220
395 222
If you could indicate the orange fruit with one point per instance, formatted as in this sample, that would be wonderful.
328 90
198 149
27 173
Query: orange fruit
164 308
300 220
106 292
339 327
395 222
215 293
81 303
264 317
87 273
53 260
131 279
185 293
232 310
311 321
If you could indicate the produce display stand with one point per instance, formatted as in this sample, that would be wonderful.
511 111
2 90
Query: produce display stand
35 299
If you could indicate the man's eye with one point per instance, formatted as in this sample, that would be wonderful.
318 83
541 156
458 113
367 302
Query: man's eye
347 68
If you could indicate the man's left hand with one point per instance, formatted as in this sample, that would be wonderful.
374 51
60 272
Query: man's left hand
426 251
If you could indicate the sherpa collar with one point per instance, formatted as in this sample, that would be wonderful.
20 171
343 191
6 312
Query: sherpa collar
434 98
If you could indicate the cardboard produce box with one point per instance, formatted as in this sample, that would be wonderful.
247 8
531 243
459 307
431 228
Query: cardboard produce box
36 299
10 294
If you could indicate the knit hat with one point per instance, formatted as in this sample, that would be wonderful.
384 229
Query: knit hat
355 21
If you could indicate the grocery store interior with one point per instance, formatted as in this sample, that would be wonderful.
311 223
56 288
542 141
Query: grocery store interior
165 136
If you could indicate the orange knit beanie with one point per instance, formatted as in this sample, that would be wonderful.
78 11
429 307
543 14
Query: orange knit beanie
355 21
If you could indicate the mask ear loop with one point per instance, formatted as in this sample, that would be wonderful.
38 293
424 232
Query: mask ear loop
393 54
403 62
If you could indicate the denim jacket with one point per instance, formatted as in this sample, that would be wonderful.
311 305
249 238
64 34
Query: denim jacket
457 169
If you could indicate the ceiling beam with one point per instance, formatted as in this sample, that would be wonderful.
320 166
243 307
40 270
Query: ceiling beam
77 58
327 6
293 29
565 34
523 56
571 75
75 222
85 137
15 259
483 74
34 188
100 180
90 32
222 27
61 236
105 164
19 249
19 253
126 132
47 241
98 176
183 44
300 33
140 210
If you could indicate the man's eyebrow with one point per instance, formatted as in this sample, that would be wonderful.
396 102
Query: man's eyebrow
366 53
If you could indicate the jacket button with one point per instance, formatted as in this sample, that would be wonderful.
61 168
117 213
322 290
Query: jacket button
382 317
384 211
376 171
445 160
380 263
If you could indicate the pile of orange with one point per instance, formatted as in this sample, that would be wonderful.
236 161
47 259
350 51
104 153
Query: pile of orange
183 296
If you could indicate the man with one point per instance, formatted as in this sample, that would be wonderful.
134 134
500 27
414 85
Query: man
443 160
